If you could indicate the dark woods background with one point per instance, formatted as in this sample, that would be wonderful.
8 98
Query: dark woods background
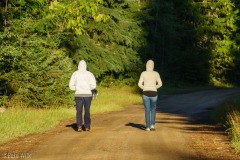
41 42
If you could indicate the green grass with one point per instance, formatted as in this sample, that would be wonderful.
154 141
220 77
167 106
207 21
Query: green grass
20 121
17 122
234 120
228 116
115 99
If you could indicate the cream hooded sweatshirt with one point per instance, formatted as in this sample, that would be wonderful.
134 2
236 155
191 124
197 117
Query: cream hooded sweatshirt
82 81
150 80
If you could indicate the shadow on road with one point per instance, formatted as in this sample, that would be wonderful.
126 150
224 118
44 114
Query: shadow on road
191 113
134 125
197 106
73 126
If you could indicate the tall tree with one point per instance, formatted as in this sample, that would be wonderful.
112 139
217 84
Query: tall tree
111 47
35 69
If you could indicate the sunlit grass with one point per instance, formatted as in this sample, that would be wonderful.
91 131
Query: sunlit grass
17 122
20 121
113 99
234 121
220 84
228 115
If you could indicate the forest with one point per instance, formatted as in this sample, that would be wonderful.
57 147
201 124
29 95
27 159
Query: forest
192 42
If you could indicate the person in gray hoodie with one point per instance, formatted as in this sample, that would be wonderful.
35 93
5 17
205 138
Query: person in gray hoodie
149 82
83 82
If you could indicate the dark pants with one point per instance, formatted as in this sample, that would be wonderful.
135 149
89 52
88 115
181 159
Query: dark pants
86 103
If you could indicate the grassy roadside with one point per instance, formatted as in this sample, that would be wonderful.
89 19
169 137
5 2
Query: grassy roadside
228 116
19 120
16 122
115 99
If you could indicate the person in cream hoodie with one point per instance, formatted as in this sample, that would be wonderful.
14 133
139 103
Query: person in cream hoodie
149 82
83 82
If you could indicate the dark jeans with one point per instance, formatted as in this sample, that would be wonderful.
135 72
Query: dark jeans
86 103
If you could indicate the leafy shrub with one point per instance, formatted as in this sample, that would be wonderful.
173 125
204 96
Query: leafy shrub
36 74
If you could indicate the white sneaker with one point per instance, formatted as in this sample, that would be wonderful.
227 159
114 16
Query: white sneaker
147 129
152 128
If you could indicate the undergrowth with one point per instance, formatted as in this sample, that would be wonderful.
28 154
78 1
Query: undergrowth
228 116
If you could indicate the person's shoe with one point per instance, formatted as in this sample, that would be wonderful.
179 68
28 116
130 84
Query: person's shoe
152 128
147 129
87 129
79 129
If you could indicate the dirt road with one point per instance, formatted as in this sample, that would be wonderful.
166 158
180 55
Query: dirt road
182 132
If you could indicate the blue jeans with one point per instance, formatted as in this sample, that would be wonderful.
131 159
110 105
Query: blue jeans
150 105
86 103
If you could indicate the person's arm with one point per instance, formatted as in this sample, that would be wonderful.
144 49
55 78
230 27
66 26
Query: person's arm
72 84
159 81
140 82
93 83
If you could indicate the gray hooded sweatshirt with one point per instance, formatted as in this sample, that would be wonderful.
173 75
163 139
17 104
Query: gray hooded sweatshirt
150 80
82 81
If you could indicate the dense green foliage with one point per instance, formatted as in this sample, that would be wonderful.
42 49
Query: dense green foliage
34 69
194 41
42 41
173 38
110 47
220 26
